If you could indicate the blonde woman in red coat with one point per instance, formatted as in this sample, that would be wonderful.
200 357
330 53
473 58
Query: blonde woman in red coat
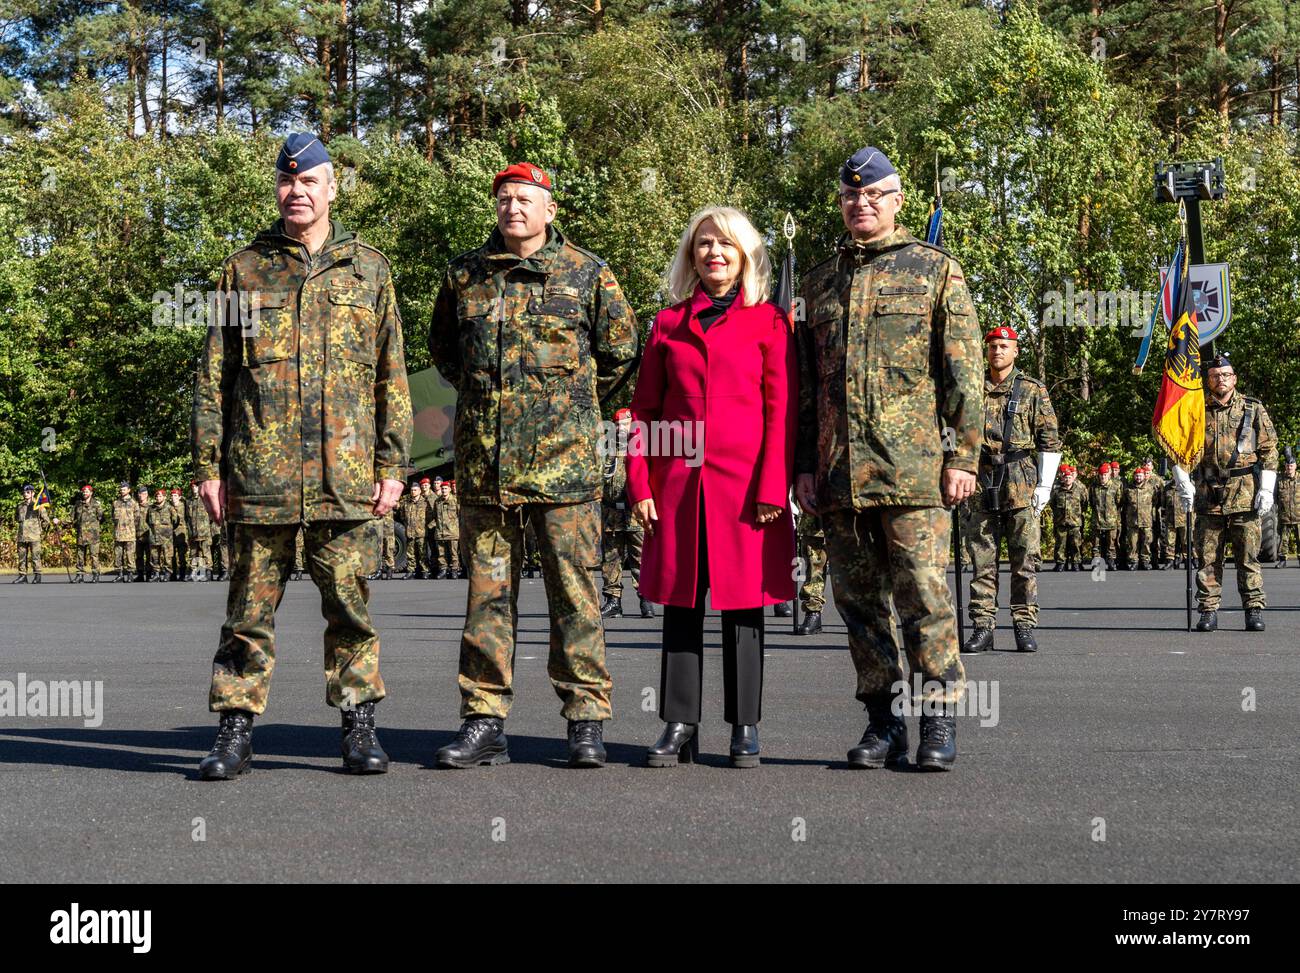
711 459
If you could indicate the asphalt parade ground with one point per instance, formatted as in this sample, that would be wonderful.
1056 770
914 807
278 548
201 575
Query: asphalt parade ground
1125 750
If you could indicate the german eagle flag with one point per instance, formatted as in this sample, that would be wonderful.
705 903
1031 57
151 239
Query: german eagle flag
1179 417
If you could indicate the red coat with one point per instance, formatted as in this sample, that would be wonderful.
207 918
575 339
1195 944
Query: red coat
740 380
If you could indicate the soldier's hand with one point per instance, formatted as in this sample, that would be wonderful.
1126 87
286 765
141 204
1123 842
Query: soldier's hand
765 513
958 485
385 496
213 495
646 515
805 491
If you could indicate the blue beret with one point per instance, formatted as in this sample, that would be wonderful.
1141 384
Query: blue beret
865 167
301 151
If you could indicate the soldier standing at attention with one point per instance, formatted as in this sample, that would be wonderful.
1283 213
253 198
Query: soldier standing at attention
88 519
124 511
32 522
1014 487
1068 502
413 512
623 534
161 522
199 526
1139 512
890 410
1288 510
180 565
446 532
1175 517
302 420
142 552
1234 486
534 333
1106 494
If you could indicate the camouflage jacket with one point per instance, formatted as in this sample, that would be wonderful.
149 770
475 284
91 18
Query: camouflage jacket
387 530
182 527
302 405
196 518
1033 429
446 518
414 515
1140 503
616 512
32 522
1288 499
162 521
124 515
1105 504
1173 511
889 374
1230 433
87 518
1068 504
142 521
532 347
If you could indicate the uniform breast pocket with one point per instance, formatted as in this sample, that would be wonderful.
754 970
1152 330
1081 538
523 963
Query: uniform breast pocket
268 328
826 322
478 334
352 314
553 344
901 322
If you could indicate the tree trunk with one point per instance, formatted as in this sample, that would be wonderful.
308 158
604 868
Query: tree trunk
221 75
1221 46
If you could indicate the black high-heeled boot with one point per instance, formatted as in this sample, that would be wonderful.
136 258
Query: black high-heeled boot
744 745
679 744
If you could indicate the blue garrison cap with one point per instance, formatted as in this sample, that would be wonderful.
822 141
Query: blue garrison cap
866 166
28 486
1218 361
301 151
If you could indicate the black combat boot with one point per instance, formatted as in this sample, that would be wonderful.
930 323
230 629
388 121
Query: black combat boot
362 753
884 744
233 751
647 608
744 745
783 609
980 640
1025 639
1110 564
678 744
94 578
36 578
77 578
1060 566
1254 619
611 607
938 747
811 624
586 746
1209 622
481 740
21 579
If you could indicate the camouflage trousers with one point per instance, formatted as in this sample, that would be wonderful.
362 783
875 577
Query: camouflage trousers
1069 543
29 556
160 555
448 550
181 556
986 530
618 545
200 554
88 557
124 557
1107 546
1285 534
900 555
568 541
142 559
417 555
339 555
388 552
812 549
1213 532
220 552
1139 545
1175 541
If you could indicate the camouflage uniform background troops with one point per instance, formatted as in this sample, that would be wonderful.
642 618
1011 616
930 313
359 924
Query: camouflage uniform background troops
388 546
180 565
623 538
1006 512
446 534
220 551
199 526
142 545
162 521
1288 510
301 412
88 519
1069 499
124 520
1175 526
32 523
811 537
1107 495
414 514
1140 499
888 355
532 346
1239 435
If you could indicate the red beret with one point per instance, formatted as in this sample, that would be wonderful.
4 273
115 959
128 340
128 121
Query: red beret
1103 468
621 413
176 490
522 172
423 480
87 486
1003 332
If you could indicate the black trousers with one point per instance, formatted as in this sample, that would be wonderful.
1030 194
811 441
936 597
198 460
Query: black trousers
681 678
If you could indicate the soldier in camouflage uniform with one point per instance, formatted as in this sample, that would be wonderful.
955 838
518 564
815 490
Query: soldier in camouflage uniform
812 593
623 536
1013 489
413 512
199 527
1140 499
302 421
1234 484
180 563
143 557
88 519
1069 500
446 533
162 522
220 552
1106 496
387 531
124 513
534 333
1288 510
889 430
32 523
1175 527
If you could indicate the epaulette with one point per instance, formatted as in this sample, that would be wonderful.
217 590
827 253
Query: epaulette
600 262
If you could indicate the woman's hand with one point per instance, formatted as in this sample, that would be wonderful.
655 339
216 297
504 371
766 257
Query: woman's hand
765 513
646 515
